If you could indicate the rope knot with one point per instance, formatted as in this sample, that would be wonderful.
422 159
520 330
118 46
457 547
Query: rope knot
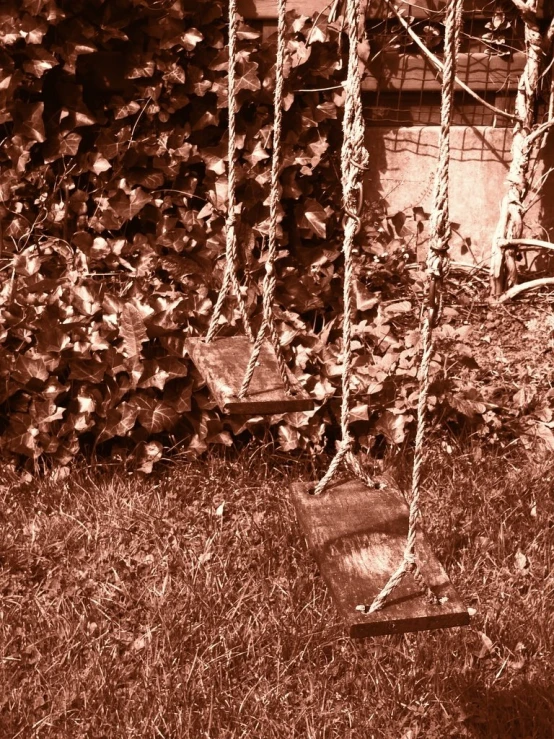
353 205
409 559
346 443
438 261
363 155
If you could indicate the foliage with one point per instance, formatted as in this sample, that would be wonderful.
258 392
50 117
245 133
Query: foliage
114 193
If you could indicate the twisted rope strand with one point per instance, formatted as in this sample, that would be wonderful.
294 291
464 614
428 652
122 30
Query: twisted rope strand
354 160
231 253
270 282
440 218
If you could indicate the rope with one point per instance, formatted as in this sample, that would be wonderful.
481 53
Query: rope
354 161
437 267
230 279
270 282
440 218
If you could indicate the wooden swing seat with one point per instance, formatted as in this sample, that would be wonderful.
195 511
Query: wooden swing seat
357 535
223 362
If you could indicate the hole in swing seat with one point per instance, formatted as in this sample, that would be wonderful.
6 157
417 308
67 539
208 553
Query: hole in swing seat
222 364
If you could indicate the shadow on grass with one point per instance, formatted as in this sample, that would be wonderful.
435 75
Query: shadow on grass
524 710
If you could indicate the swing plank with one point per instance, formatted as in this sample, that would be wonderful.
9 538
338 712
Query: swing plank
223 362
357 535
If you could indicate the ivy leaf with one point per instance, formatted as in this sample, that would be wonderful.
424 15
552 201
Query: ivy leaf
524 397
289 438
99 163
543 432
85 301
127 207
89 370
314 217
299 53
247 77
39 60
147 178
399 307
467 406
365 300
360 412
140 66
247 33
257 155
191 38
21 437
178 395
62 145
119 421
27 263
155 415
393 426
26 369
158 372
123 109
28 121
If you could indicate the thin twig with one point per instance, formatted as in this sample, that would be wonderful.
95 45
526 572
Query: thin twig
323 89
537 189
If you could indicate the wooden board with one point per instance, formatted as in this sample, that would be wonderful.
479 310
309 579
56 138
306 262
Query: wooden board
376 9
223 362
357 535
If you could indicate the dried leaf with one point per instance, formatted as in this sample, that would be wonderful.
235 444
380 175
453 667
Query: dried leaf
132 330
147 454
521 561
486 646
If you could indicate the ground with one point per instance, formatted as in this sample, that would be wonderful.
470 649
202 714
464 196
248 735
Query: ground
186 604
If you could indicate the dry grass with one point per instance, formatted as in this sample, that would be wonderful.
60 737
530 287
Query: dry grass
187 606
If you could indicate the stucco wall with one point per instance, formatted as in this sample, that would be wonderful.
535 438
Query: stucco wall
402 169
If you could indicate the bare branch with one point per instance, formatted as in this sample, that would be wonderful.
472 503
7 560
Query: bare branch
531 285
530 243
538 132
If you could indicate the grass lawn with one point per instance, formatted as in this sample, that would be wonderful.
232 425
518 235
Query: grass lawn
186 605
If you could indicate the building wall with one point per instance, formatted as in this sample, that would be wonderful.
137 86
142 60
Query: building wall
402 169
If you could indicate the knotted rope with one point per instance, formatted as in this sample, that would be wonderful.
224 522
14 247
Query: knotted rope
437 267
354 161
230 279
270 282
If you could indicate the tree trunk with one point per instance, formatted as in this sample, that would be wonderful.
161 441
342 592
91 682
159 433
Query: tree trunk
538 41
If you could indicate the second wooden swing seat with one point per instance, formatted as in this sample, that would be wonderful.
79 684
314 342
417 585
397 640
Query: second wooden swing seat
247 374
223 363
